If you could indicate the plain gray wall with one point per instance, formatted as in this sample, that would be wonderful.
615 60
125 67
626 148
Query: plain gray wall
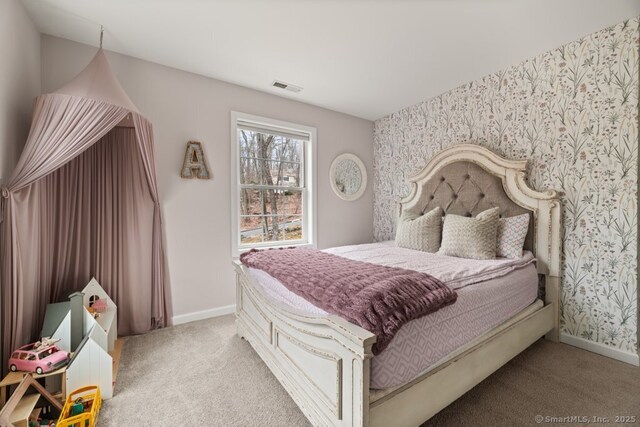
19 81
197 214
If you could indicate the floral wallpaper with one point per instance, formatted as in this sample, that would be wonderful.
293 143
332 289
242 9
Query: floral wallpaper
573 112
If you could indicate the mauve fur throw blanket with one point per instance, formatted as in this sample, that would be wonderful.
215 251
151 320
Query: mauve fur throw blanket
377 298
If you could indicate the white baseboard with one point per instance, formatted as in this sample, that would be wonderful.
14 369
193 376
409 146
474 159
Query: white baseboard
604 350
203 314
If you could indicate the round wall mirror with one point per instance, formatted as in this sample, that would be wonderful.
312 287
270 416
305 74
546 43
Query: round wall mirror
348 176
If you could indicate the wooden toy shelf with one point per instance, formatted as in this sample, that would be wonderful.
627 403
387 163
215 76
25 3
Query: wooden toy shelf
25 410
115 355
15 378
21 406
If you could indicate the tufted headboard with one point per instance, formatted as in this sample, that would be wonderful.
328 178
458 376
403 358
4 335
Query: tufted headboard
466 188
468 179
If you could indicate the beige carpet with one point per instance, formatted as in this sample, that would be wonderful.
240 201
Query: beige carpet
202 374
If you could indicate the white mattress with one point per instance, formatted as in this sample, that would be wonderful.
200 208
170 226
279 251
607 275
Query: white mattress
489 293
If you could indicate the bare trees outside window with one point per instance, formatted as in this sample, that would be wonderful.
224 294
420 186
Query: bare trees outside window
271 174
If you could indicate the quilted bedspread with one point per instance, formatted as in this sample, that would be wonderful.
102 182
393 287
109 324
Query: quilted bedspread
378 298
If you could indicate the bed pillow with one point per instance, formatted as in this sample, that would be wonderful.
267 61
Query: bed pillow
420 232
512 232
471 237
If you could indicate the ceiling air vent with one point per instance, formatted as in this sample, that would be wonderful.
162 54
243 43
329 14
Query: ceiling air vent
286 86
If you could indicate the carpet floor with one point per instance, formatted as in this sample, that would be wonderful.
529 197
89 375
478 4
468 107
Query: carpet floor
202 374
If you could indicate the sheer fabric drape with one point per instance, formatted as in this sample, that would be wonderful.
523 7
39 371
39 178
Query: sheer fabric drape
82 202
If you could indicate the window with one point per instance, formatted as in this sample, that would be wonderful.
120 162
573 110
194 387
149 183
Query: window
93 299
273 183
46 353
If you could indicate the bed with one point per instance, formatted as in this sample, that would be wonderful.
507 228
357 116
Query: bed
327 364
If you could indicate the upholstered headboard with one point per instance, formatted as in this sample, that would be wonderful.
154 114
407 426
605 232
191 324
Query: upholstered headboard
466 188
468 179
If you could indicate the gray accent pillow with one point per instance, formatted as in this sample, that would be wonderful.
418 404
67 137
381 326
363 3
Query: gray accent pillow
512 232
420 232
471 237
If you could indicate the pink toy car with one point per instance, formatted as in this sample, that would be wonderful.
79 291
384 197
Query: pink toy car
39 360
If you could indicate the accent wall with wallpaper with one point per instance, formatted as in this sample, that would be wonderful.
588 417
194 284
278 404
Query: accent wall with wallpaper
573 112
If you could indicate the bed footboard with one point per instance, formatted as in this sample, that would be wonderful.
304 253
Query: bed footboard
322 362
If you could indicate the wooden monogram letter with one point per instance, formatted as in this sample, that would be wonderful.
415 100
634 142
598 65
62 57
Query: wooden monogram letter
195 165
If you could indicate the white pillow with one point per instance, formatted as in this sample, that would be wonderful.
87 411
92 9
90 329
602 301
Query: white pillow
421 233
470 237
512 232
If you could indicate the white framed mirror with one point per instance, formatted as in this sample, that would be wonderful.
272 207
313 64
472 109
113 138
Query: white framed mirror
348 176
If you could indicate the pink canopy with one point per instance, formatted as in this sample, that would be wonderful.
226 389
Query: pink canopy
83 202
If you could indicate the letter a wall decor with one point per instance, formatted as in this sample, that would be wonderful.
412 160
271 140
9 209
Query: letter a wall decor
195 164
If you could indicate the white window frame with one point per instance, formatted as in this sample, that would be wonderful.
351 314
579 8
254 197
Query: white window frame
309 197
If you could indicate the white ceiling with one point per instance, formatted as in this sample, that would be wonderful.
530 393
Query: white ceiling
367 58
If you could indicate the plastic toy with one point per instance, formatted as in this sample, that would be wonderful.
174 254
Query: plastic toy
81 408
100 305
38 357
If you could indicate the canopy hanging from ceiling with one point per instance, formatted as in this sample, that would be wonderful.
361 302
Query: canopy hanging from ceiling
82 202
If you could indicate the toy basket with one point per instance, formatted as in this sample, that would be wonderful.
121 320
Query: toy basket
89 398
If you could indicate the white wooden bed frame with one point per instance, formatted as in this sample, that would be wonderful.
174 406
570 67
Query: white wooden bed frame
324 362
